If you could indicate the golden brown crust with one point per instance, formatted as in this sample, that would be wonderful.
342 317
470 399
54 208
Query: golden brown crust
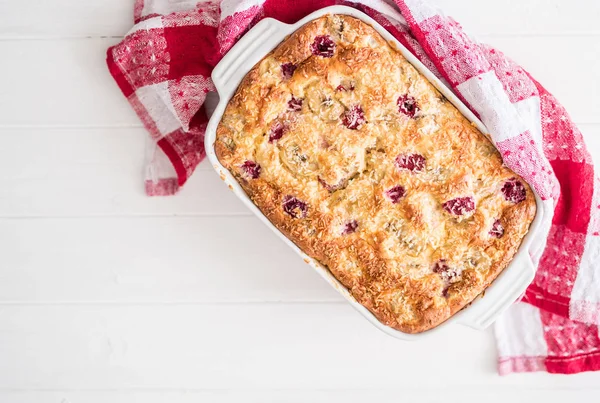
410 207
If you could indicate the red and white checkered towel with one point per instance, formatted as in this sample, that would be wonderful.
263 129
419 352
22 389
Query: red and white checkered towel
163 67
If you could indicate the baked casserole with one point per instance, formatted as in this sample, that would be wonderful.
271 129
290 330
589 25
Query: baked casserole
356 157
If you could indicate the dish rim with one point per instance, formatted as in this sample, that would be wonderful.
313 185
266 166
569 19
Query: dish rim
256 44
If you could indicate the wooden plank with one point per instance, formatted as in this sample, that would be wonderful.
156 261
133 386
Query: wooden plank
65 18
274 346
430 395
99 172
61 83
524 18
68 83
91 172
152 260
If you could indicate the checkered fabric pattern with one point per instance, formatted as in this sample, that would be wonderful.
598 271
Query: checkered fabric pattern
163 67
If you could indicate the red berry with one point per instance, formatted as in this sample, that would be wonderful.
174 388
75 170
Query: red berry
287 70
411 162
350 227
251 169
343 88
354 118
497 230
460 205
277 132
327 186
447 274
514 191
294 207
323 46
332 188
395 194
441 267
295 104
407 104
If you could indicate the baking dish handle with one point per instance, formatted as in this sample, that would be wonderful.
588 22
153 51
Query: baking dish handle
248 51
503 292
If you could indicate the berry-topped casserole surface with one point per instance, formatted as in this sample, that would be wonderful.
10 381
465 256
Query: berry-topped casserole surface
356 157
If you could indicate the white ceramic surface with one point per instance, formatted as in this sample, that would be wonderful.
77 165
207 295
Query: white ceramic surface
254 46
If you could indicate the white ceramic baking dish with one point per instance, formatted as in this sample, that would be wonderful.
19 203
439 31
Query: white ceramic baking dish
251 49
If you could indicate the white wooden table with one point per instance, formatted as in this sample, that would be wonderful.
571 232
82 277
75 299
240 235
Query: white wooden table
109 296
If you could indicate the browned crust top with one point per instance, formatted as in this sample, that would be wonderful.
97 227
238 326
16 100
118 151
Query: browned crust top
350 152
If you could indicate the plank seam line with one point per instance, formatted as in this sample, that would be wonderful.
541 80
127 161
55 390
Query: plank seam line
16 38
127 216
476 387
133 126
165 303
